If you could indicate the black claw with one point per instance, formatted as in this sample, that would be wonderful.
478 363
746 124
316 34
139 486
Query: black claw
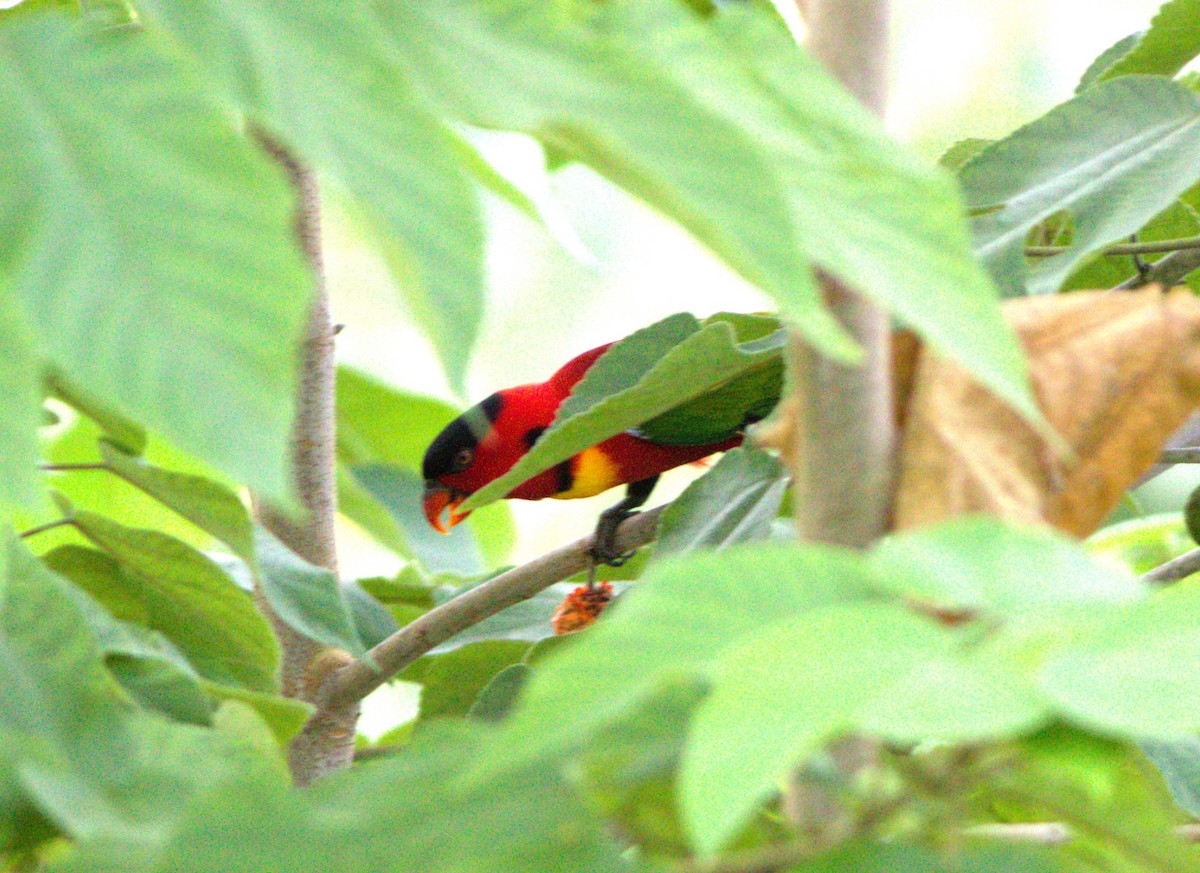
604 545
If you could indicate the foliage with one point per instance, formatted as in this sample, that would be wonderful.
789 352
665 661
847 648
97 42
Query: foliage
153 296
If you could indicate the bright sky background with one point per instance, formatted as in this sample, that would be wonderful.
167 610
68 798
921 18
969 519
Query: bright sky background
611 265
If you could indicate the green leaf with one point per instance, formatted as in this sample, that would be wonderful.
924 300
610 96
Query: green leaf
1114 156
961 152
152 219
21 400
192 602
1119 812
780 693
372 619
320 77
100 576
128 435
734 502
499 696
1099 67
451 682
160 685
1166 47
629 771
58 696
600 101
307 597
640 377
1135 671
977 563
1178 760
403 813
207 504
399 492
283 716
675 622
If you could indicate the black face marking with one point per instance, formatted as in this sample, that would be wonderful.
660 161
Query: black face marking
565 477
453 450
491 407
533 435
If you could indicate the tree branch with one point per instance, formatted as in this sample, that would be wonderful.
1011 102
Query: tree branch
1139 248
1174 570
355 681
1167 271
326 742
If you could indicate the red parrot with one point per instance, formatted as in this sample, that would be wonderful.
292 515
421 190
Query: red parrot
485 441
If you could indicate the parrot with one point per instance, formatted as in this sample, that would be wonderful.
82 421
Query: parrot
486 440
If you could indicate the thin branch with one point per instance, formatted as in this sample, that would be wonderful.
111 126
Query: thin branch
42 528
1174 570
1189 455
70 468
1167 271
1140 248
1188 435
1045 833
765 859
355 681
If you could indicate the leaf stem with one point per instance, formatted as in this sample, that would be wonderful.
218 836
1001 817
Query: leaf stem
1141 248
69 468
42 528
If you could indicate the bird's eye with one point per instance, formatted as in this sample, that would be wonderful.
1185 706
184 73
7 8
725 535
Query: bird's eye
462 460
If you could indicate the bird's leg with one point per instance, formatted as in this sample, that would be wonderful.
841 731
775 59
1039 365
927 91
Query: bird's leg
604 547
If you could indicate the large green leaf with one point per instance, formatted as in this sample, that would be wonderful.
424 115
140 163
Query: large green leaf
319 77
209 505
1113 156
20 398
640 377
520 66
666 103
1135 672
192 602
779 694
400 814
149 243
451 682
676 621
976 563
1166 47
734 502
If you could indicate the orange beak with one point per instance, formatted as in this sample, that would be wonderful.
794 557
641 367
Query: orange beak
439 497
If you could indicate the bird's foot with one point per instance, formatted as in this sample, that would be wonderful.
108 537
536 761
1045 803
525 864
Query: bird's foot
604 541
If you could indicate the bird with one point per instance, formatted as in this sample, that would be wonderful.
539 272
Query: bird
485 441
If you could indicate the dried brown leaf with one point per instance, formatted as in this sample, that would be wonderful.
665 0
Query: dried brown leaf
1115 374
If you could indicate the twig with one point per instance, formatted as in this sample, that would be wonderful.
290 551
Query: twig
1189 455
355 681
1174 570
42 528
1046 833
70 468
1188 435
766 859
1141 248
1167 271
